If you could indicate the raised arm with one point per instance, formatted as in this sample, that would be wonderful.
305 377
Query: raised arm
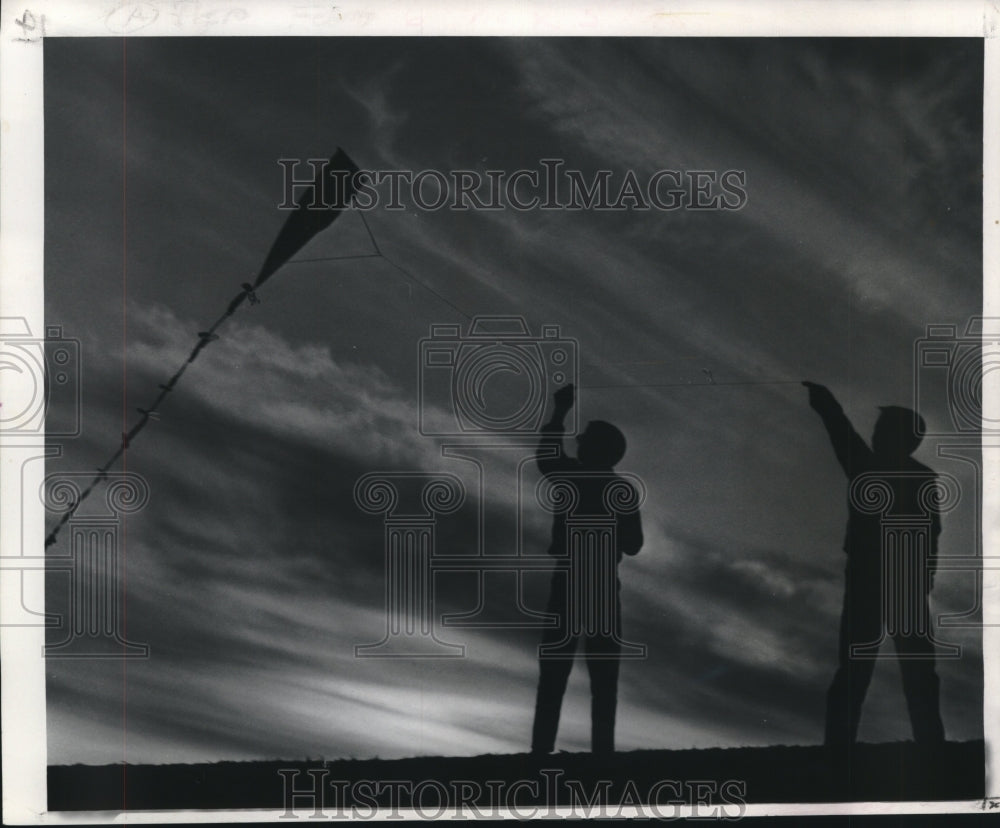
549 461
852 451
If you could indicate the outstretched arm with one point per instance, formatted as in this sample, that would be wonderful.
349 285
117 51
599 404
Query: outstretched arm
852 451
550 461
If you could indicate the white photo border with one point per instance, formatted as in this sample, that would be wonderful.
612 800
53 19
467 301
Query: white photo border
22 254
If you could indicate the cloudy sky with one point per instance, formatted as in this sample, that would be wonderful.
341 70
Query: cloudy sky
252 574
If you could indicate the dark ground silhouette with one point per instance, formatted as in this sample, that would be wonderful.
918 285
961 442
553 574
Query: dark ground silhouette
896 772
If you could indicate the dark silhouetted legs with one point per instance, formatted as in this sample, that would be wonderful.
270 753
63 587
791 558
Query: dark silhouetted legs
921 688
861 623
601 655
602 663
554 672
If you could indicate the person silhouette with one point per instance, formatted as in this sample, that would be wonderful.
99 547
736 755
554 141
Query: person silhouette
599 448
909 578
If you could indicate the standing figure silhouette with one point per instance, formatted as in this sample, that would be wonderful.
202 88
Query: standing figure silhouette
870 583
588 590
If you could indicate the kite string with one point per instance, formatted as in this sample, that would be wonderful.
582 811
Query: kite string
368 230
427 287
378 254
689 384
407 273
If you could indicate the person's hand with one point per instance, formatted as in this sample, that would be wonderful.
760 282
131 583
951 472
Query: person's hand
820 396
564 398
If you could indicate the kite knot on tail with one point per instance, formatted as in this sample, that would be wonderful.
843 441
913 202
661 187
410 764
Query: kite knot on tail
250 294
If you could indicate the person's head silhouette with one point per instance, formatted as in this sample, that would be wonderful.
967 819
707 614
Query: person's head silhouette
898 432
600 446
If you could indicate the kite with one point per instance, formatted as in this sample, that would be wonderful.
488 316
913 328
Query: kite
322 203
